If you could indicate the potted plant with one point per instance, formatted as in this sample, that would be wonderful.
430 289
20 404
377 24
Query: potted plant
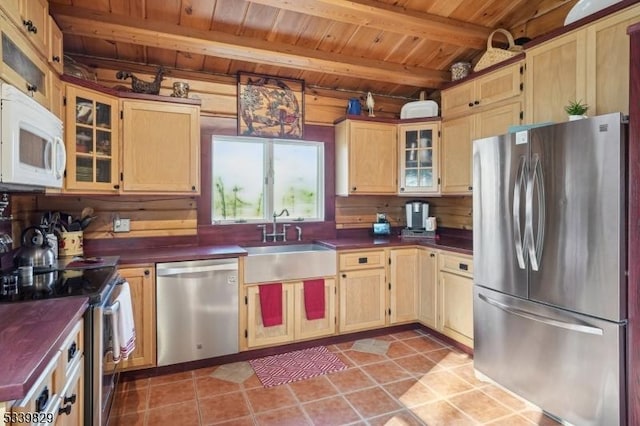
576 110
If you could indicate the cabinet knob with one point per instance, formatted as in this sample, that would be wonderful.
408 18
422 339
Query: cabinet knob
470 188
70 399
476 102
56 58
71 352
34 29
354 188
401 189
432 255
66 410
344 275
116 186
470 104
146 272
32 87
27 23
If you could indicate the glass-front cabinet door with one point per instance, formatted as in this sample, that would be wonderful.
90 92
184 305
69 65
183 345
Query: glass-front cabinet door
91 140
418 156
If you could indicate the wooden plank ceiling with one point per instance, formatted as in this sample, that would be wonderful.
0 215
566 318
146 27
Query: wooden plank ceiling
389 47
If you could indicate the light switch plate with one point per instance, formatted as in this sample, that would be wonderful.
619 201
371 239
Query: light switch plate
121 225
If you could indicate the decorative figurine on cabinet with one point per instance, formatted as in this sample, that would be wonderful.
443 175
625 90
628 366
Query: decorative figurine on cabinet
370 104
141 86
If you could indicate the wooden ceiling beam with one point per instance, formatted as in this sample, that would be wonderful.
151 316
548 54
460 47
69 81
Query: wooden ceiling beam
102 25
386 17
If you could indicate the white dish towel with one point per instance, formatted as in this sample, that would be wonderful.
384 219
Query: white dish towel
124 331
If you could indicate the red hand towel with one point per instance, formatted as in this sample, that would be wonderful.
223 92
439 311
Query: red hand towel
314 298
271 304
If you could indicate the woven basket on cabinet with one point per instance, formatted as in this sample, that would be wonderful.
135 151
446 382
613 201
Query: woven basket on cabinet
493 55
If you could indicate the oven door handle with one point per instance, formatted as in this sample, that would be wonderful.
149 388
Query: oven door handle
113 309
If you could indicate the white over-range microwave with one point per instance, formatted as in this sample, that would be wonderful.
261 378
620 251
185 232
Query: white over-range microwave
32 153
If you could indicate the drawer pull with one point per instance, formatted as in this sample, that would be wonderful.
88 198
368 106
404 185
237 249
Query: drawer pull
71 352
463 266
362 260
41 401
66 410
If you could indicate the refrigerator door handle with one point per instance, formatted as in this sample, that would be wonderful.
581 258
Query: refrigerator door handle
582 328
521 254
535 245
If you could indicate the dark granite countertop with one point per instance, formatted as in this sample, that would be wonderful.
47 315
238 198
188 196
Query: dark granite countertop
30 335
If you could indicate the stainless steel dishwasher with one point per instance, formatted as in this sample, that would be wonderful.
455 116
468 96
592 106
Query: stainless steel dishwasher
196 309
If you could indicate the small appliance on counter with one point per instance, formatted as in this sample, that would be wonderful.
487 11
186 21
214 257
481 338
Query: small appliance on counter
381 227
417 215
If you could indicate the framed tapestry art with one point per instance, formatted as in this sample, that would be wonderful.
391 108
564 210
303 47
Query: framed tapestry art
270 107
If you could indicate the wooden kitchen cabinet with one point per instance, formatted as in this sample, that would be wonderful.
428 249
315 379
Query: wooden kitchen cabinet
483 91
363 290
455 288
71 411
295 326
257 333
366 157
142 283
34 16
21 65
92 140
160 147
129 146
590 64
484 106
404 293
457 143
54 46
418 151
428 285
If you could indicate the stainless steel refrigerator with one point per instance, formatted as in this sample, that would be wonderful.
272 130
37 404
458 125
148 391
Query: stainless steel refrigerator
549 247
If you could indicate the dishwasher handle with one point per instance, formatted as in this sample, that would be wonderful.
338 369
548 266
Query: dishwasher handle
167 271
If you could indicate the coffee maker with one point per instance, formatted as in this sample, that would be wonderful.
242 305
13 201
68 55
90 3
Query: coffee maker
417 213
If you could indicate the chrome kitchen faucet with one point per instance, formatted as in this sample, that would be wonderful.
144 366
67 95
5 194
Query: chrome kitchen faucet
275 234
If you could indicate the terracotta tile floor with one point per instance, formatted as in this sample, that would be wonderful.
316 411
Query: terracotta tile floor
409 378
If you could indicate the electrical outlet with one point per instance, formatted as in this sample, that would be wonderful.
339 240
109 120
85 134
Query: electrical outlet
121 225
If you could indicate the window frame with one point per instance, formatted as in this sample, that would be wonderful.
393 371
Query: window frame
268 180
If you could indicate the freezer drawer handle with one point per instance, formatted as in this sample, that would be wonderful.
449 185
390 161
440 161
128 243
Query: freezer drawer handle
541 318
521 254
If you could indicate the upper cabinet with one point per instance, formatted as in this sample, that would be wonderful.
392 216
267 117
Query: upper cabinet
467 97
92 140
160 147
494 102
418 146
590 64
21 66
34 16
366 157
55 53
130 146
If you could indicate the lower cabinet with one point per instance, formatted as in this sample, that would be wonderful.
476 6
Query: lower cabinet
295 325
362 299
403 286
57 395
455 288
142 283
428 300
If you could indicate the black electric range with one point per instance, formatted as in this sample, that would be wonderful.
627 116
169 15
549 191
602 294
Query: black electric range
92 281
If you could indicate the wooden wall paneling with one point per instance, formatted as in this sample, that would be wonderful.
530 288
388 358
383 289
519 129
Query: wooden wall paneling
360 211
150 216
